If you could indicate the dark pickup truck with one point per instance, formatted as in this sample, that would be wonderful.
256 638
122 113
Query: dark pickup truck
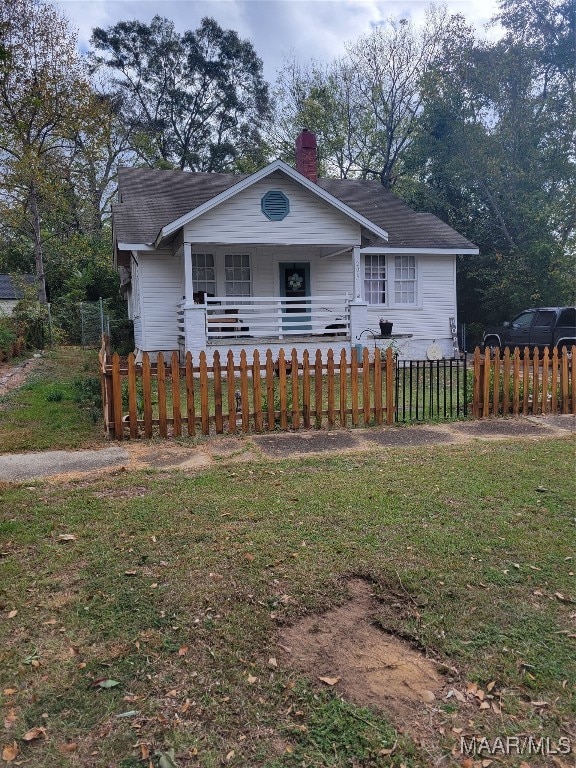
542 327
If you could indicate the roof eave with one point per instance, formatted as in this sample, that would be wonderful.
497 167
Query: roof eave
277 165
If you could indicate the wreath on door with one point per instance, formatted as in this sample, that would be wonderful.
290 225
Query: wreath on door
295 281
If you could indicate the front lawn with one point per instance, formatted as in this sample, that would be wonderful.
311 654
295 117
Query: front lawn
58 407
140 612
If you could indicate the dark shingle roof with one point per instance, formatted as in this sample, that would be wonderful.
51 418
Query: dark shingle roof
9 288
151 199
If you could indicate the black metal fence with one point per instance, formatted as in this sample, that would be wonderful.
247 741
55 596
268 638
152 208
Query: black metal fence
432 390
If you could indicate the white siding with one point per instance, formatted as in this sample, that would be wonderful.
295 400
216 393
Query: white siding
161 290
430 320
240 219
7 306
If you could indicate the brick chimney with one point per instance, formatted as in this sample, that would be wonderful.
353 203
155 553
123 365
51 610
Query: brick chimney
307 155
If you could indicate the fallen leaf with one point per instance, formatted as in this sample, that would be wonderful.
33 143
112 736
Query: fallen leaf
467 763
144 751
272 662
459 696
10 752
70 746
67 537
427 696
484 705
10 691
251 679
330 680
230 755
34 733
130 713
496 709
12 614
105 683
249 556
183 650
130 573
471 688
539 703
490 686
10 718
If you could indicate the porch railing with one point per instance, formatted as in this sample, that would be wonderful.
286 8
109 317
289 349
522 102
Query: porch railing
276 317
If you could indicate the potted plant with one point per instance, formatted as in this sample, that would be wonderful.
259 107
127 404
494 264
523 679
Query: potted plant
385 327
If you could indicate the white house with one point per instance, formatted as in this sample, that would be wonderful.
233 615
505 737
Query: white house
12 291
281 258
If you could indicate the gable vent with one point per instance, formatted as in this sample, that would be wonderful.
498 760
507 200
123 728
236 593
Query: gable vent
275 205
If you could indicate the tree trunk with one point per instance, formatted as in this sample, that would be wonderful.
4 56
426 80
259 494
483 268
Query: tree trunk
38 256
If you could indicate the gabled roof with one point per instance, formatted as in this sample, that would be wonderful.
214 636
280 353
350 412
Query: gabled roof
156 203
10 288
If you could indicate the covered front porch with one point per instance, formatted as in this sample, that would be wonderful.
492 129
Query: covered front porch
295 297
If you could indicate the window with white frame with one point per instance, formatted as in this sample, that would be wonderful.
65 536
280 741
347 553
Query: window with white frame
204 273
405 279
375 278
237 274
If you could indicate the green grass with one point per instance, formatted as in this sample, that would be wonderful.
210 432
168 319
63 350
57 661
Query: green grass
175 587
57 407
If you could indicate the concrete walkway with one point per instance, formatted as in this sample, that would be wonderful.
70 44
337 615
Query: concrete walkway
142 455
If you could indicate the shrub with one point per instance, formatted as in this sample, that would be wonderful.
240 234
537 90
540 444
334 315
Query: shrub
8 338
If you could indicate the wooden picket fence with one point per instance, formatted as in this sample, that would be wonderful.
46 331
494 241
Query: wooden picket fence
520 383
174 398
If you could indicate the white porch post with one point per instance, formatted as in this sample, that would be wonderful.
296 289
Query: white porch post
188 283
358 308
194 314
357 279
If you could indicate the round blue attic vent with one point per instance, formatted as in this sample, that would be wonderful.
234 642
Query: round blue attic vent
275 205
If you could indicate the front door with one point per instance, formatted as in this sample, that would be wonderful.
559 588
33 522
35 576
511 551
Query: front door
295 284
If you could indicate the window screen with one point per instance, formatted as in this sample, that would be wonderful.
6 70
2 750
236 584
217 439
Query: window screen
203 273
405 279
237 274
375 278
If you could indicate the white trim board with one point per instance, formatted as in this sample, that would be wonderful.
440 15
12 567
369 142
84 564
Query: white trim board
430 251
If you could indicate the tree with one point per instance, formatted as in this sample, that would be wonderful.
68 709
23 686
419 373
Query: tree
44 97
494 157
365 106
191 100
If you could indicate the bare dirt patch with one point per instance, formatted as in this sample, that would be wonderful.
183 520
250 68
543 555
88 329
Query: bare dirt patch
13 376
372 668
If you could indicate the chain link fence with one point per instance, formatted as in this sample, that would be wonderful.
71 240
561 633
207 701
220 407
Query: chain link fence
84 322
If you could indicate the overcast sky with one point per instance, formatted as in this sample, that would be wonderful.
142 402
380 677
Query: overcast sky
277 28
